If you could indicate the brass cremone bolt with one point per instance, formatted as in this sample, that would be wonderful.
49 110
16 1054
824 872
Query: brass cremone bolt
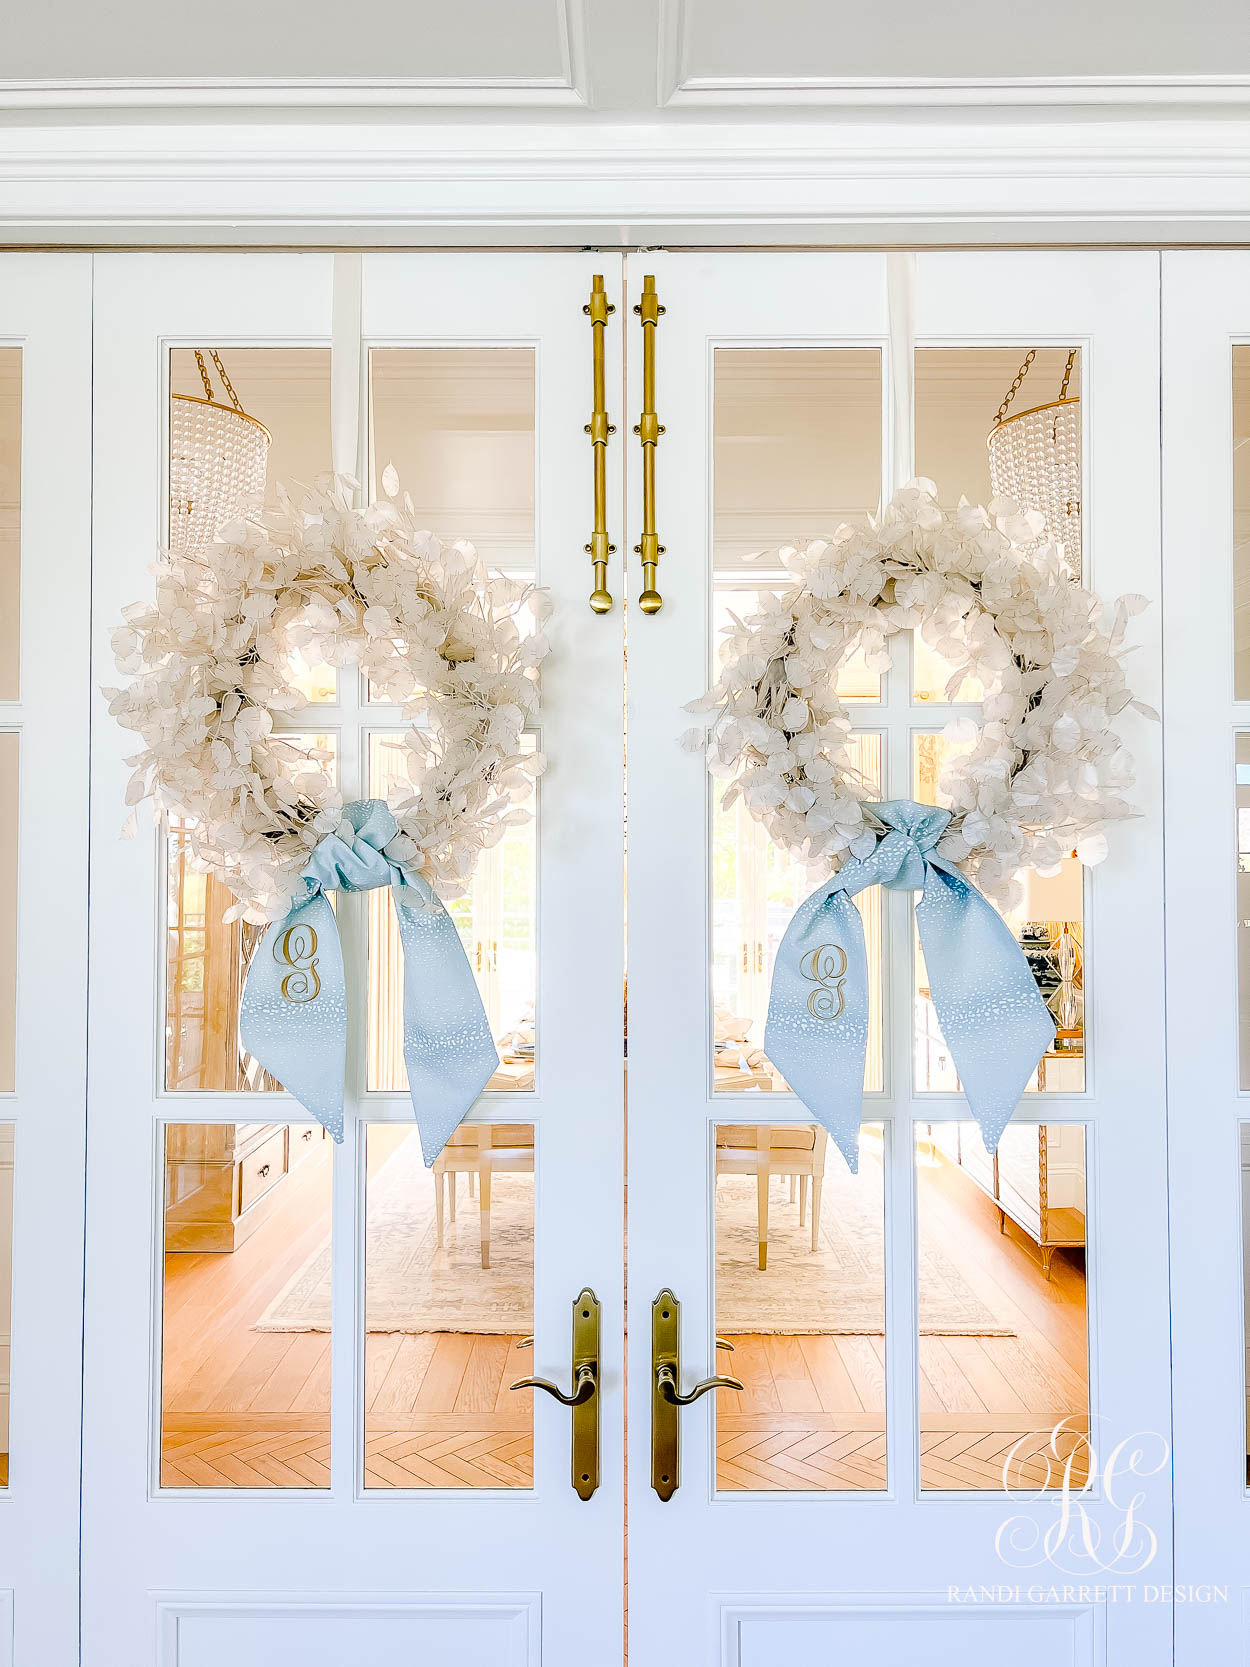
599 309
648 428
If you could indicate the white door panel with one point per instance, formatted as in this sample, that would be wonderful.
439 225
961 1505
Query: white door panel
898 1635
474 1633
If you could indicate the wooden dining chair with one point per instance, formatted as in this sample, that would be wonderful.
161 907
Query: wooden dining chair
765 1150
480 1151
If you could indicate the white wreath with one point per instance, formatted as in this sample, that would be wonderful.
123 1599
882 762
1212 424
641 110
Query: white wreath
319 582
1043 774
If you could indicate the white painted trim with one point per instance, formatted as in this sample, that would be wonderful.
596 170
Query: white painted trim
522 1609
673 47
572 27
1087 1621
1081 92
621 185
258 95
678 89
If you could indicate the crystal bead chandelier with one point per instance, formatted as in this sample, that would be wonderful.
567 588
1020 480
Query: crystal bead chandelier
1035 458
218 457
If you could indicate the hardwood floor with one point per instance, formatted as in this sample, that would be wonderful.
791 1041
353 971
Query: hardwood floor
812 1412
244 1408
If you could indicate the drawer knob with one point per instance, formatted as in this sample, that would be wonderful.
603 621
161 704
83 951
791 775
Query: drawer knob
263 1171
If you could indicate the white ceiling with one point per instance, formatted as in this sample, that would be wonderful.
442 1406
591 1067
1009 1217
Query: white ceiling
634 56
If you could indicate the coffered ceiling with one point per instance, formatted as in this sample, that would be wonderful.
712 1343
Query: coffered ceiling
632 57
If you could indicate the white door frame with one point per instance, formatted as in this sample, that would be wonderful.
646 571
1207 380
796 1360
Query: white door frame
1206 311
45 309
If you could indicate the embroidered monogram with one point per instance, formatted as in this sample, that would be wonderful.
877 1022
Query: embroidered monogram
826 968
297 949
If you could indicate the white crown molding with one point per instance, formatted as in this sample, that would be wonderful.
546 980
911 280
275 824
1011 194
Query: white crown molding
622 185
1082 93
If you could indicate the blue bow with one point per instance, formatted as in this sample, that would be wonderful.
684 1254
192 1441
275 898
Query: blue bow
293 1016
992 1015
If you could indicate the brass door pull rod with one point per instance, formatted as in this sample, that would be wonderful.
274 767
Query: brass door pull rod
648 428
599 309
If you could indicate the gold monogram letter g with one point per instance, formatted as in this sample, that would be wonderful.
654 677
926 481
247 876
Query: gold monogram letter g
826 968
297 948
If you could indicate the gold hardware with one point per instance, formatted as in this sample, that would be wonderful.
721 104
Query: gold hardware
666 1396
1001 417
585 1397
648 428
1015 386
1046 405
235 406
599 309
759 957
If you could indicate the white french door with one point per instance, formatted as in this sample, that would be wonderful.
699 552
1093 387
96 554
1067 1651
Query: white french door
300 1441
847 1499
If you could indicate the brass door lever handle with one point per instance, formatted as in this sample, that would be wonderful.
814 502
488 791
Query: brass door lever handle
666 1395
666 1386
584 1386
585 1398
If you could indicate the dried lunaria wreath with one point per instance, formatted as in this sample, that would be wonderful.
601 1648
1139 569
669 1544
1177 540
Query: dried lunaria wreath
1044 772
317 581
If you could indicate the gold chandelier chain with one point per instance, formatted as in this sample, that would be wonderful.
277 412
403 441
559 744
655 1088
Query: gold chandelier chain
1067 374
226 383
1015 386
208 386
225 380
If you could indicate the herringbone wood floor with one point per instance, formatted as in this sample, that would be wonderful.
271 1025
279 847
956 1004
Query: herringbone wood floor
251 1409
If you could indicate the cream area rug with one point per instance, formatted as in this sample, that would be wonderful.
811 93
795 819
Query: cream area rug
412 1286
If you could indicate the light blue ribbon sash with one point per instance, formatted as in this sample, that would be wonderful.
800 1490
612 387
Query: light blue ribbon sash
293 1016
992 1014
